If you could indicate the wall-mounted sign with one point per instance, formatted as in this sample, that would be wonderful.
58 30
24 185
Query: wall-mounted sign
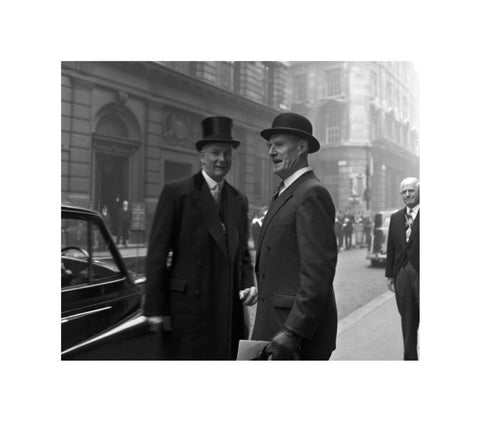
138 216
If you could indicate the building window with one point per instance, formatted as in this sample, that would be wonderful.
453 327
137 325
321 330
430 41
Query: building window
268 82
333 127
389 93
374 128
186 67
373 84
300 88
333 82
397 99
404 105
227 70
388 126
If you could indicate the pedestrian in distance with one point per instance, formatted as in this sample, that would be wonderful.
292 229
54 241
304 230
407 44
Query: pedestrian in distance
367 230
403 263
106 216
347 228
124 220
338 229
297 251
196 301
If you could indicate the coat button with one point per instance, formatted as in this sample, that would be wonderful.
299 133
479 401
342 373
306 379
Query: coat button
268 247
263 274
196 293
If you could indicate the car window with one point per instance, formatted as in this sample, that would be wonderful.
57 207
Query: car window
86 256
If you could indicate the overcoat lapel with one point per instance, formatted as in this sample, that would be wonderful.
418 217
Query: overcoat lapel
277 205
232 204
401 228
209 211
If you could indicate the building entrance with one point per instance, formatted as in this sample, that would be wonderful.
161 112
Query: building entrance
111 183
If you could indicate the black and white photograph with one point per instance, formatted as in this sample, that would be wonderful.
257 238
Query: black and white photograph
234 192
142 145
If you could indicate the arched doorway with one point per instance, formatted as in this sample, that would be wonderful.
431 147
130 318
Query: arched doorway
116 162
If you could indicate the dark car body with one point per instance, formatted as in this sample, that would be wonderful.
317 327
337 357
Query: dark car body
101 304
378 254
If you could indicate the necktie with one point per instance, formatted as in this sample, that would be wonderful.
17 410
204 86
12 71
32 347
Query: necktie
279 188
408 223
216 193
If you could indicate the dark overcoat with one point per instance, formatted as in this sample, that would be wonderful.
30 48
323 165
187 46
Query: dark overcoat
199 290
295 267
399 252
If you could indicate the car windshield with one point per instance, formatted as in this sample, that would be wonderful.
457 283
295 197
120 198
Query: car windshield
86 255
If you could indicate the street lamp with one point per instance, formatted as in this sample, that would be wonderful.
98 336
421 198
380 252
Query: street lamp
366 193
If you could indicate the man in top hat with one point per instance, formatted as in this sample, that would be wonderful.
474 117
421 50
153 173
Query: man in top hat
196 300
297 251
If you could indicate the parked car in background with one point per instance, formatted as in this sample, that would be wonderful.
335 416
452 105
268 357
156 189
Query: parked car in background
101 302
378 254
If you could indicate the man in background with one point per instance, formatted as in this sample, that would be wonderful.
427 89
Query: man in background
403 263
124 219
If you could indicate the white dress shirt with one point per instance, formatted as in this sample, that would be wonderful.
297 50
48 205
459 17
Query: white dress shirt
413 211
212 184
290 180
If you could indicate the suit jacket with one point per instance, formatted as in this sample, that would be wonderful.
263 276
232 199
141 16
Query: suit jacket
199 290
399 252
295 267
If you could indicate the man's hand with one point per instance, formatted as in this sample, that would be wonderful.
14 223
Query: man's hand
158 323
283 346
249 296
390 284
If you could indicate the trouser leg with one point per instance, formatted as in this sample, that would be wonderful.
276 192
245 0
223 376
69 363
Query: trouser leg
407 296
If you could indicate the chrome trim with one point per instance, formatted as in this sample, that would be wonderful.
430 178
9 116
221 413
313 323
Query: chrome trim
68 289
86 313
137 321
140 280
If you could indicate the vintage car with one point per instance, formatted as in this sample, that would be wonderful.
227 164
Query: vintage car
378 253
101 302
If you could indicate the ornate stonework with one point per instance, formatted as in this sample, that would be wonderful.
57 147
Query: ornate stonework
179 128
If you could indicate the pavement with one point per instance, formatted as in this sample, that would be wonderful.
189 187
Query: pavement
372 332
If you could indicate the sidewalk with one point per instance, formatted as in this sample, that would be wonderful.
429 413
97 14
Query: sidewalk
373 332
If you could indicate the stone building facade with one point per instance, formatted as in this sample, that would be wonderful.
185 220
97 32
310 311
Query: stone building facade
130 127
365 115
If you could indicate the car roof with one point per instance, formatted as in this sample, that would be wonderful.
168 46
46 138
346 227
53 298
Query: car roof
78 209
386 211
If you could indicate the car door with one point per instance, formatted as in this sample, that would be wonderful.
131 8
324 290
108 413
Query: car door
96 293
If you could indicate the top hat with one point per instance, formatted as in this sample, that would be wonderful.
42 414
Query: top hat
217 129
291 123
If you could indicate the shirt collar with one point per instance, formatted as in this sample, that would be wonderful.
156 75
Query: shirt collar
290 180
211 182
415 210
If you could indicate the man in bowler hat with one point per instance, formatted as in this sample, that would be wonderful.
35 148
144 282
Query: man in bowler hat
196 300
402 267
297 251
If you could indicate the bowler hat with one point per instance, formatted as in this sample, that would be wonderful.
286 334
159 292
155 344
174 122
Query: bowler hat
217 129
291 123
